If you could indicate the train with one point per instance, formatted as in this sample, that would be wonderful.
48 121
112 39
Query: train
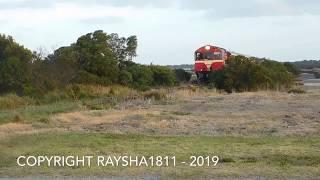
208 59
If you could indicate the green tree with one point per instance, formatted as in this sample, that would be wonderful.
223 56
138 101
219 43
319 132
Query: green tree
123 48
95 56
15 61
55 71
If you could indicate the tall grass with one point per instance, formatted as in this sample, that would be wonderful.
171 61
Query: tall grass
12 101
79 91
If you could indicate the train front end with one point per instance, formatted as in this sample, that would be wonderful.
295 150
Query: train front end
209 58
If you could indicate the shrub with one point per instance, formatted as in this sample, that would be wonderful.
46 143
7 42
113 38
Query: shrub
84 77
278 74
182 75
291 68
142 76
246 74
125 78
163 76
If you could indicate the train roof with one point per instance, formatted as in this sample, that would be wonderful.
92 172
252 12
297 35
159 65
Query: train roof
208 47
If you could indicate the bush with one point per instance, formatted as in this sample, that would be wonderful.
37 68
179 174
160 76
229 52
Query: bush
278 74
84 77
142 76
182 75
291 68
163 76
125 78
246 74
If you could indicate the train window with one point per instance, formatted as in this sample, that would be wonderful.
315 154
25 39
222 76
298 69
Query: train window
209 56
199 56
213 56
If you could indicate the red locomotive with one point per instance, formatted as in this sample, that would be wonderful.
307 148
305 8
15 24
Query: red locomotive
209 58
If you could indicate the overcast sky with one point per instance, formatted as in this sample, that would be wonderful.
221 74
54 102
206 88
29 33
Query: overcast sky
169 31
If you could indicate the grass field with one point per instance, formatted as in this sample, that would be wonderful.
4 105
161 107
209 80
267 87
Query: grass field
240 156
256 135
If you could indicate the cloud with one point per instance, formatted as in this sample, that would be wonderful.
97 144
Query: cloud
38 4
24 4
253 8
102 20
213 8
170 30
63 12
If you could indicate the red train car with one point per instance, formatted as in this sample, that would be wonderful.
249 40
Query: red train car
209 58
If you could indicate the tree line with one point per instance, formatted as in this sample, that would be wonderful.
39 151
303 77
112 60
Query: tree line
107 59
95 58
306 64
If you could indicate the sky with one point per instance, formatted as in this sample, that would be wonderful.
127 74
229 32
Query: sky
169 31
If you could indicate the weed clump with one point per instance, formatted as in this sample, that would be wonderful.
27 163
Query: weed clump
17 119
296 91
155 95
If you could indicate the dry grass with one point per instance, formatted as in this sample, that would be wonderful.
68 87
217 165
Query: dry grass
82 91
246 114
189 92
12 101
196 111
14 128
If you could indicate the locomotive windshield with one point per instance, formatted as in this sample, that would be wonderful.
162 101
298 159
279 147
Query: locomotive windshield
208 56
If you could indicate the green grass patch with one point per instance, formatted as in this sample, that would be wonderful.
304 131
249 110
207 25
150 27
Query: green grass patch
240 156
37 113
